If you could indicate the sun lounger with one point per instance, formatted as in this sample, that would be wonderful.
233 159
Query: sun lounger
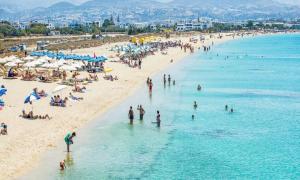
10 77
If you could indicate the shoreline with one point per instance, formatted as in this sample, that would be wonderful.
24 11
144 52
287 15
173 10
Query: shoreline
113 98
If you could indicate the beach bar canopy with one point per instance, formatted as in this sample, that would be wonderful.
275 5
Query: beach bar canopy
61 55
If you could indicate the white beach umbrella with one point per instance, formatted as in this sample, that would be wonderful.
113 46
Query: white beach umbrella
17 61
11 58
68 68
28 58
3 60
11 64
31 64
53 66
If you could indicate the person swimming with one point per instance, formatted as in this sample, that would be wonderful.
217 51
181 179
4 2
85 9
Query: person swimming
231 110
195 105
131 115
193 117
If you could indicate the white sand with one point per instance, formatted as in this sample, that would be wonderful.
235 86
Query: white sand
27 140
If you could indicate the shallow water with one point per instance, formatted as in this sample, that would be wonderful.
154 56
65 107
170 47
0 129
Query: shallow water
260 80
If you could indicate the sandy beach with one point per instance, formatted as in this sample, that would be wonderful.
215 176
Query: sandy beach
28 140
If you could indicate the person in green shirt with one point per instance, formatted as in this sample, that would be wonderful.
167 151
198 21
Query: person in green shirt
69 140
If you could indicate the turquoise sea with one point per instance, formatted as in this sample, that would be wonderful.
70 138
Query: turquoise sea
260 80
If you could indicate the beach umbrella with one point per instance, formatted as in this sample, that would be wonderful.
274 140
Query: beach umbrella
28 58
32 97
59 88
3 60
17 61
68 68
30 64
11 64
2 91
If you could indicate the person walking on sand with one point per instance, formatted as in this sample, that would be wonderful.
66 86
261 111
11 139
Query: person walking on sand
142 112
69 140
131 115
140 64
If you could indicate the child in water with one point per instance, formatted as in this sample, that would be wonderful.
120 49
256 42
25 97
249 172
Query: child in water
62 165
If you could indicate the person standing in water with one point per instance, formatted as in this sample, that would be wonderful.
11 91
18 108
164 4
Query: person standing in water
226 107
174 82
148 81
69 140
142 112
62 165
158 119
131 115
150 86
169 79
195 105
165 79
231 110
199 88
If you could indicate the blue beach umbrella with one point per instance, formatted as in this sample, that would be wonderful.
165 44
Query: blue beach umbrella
31 97
2 91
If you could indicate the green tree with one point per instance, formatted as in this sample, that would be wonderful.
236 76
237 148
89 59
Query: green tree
250 25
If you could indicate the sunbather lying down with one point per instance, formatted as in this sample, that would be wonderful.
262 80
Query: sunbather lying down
93 77
41 93
75 98
110 77
31 116
77 88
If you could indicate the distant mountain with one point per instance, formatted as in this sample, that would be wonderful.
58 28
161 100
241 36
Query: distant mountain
224 3
120 3
62 6
152 10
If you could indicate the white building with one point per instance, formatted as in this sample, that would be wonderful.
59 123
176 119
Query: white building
191 26
140 25
50 26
